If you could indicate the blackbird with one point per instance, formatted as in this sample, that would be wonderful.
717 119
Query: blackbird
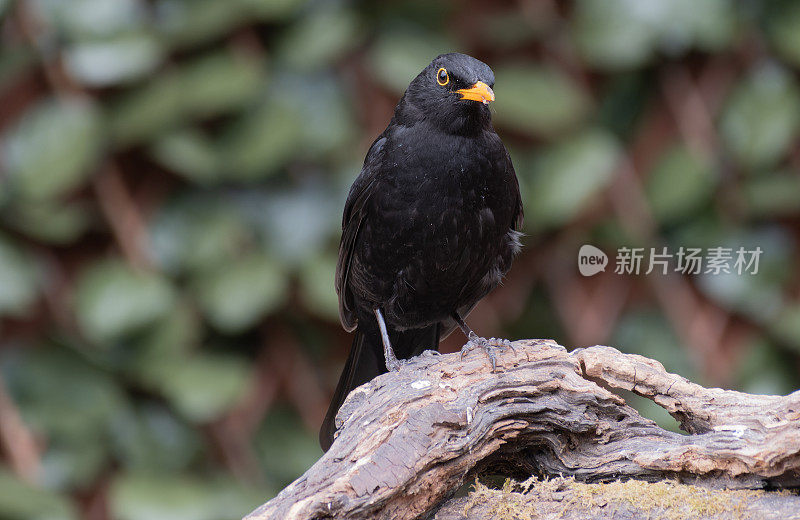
430 226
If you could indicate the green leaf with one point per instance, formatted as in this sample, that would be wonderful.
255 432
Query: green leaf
401 53
680 184
713 23
786 326
50 220
190 153
762 117
54 148
758 296
684 24
236 295
651 410
166 342
211 85
622 34
74 464
68 402
197 231
623 102
285 446
507 29
317 286
16 61
309 120
147 111
21 501
319 38
773 195
4 5
19 279
537 100
262 141
60 395
91 19
647 333
295 224
150 497
111 62
203 387
273 9
783 28
188 22
765 369
321 109
220 82
151 438
154 496
613 34
113 300
567 176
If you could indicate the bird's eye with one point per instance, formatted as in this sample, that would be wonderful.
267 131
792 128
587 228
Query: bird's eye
442 78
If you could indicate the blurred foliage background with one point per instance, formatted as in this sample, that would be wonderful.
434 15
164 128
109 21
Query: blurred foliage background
173 174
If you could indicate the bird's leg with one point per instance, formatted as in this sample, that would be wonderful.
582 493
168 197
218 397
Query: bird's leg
392 363
488 345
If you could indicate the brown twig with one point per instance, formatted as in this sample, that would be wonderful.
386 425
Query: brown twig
17 441
122 215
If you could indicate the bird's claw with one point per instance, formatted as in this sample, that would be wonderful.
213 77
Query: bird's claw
430 353
393 364
488 345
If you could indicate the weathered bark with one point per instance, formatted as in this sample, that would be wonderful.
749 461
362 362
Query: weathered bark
407 440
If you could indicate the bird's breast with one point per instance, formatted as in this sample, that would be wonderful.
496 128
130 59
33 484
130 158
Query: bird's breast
445 199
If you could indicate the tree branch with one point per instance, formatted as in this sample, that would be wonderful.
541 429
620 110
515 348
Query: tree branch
408 440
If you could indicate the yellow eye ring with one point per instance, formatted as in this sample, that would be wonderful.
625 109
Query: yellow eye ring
442 77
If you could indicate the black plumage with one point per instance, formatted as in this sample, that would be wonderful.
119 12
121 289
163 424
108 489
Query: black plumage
430 226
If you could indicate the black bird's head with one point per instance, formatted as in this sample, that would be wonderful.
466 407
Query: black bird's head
453 93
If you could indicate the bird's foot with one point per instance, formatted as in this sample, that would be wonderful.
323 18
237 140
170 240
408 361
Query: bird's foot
490 346
392 363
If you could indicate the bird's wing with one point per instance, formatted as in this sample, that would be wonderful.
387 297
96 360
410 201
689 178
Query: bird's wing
352 219
518 212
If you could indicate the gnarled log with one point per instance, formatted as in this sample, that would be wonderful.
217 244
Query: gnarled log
408 439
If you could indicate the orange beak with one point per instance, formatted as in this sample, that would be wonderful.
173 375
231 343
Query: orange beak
480 91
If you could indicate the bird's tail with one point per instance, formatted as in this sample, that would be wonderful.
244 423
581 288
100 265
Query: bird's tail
366 361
